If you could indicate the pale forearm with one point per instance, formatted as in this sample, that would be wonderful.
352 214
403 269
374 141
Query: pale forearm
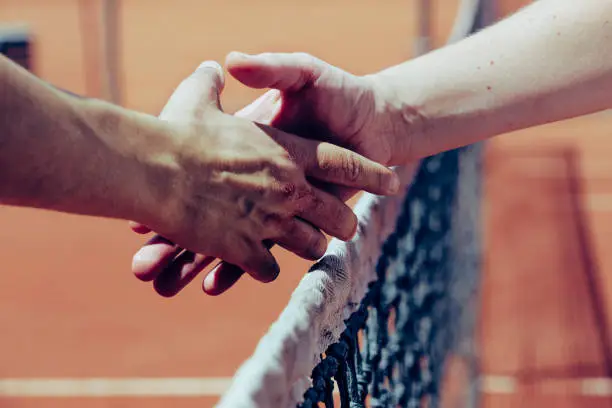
551 61
63 153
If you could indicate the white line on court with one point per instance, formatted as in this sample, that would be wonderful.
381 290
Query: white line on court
214 387
497 384
597 387
599 202
113 387
594 387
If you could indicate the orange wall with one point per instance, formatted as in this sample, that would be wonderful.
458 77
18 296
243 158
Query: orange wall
165 39
58 38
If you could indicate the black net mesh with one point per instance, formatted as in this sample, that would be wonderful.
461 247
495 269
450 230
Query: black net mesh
394 346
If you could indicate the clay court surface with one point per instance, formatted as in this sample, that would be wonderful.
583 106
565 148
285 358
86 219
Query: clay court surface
71 309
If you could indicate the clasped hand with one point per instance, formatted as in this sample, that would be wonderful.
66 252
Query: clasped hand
242 185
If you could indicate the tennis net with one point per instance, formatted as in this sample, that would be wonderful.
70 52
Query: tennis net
374 321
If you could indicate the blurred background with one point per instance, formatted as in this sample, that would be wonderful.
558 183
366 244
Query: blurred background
70 310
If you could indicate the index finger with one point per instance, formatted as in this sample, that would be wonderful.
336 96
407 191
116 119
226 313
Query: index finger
334 164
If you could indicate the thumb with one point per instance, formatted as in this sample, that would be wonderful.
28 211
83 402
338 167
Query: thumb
282 71
263 109
200 90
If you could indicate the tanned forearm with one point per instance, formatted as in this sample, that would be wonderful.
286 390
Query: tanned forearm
65 153
550 61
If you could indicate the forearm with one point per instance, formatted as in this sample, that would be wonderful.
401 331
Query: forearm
68 154
551 61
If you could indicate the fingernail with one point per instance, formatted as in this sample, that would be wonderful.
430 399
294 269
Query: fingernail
274 272
145 257
393 185
210 65
209 282
321 248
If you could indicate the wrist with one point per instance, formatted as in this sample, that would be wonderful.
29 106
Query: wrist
400 120
434 111
137 153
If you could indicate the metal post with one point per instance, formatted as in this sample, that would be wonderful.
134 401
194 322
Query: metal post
422 42
486 16
111 49
473 16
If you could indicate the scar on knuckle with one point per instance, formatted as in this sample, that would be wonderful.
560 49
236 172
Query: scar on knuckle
288 190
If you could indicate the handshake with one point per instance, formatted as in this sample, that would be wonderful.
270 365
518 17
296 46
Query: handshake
279 171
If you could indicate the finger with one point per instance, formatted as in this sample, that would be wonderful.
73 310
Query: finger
282 71
224 275
180 273
330 214
342 193
257 261
196 93
344 167
263 109
153 257
221 278
139 228
302 239
333 164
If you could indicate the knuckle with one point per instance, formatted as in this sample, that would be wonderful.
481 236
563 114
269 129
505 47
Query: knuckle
305 193
352 167
296 192
306 60
341 165
288 190
312 203
286 194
